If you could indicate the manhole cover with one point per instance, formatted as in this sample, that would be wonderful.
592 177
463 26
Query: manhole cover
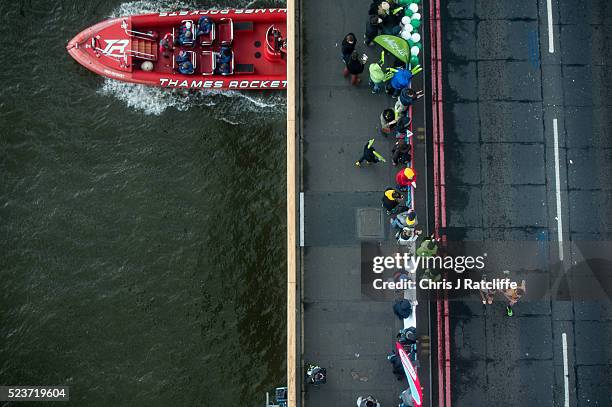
370 223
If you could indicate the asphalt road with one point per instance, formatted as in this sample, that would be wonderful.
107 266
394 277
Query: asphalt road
528 159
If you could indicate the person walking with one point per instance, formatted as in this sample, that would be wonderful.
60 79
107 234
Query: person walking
348 46
487 295
513 295
391 199
406 178
355 67
370 156
401 153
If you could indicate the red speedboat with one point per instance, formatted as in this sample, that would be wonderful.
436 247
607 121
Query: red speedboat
200 49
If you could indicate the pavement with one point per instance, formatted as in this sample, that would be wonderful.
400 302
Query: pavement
528 158
345 329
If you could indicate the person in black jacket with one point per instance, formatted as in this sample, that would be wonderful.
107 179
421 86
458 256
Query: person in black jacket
372 28
354 66
401 153
348 46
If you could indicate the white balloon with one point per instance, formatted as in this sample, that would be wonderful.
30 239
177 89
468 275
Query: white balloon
415 50
416 16
405 35
415 37
409 28
414 7
405 20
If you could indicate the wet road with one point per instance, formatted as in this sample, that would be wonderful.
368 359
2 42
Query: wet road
528 158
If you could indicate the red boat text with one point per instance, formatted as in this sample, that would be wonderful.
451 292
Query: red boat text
202 84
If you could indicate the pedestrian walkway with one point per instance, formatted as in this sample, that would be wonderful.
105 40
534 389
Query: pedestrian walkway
344 329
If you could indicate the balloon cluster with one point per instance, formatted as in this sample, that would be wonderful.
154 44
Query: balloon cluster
410 25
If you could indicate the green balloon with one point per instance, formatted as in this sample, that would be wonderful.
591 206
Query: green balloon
414 60
415 23
404 2
415 1
419 45
408 12
410 43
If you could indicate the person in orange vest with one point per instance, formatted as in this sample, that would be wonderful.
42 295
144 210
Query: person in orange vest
406 178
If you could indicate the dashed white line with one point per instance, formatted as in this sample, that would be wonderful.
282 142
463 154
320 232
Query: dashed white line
301 219
558 188
565 370
551 43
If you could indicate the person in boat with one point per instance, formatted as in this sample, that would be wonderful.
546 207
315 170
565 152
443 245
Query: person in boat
185 35
183 56
165 45
186 68
224 56
205 25
223 69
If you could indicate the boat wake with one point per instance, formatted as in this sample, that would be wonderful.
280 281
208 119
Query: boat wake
229 106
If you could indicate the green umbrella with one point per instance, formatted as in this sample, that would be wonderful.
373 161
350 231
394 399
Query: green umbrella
395 45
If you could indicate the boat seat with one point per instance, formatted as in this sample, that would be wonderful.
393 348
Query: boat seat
210 38
243 26
231 72
244 68
192 58
193 33
226 31
231 64
208 62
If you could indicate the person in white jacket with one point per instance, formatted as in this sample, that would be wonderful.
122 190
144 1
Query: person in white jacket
367 401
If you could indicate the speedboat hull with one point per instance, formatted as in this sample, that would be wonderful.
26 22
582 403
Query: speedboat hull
132 49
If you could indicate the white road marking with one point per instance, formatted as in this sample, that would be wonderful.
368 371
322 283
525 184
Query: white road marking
301 219
558 187
565 370
551 43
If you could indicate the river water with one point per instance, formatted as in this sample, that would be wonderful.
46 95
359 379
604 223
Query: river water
142 242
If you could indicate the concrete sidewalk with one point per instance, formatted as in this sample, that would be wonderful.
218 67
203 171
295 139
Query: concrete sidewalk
345 330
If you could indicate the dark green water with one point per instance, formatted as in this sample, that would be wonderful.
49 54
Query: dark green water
142 246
